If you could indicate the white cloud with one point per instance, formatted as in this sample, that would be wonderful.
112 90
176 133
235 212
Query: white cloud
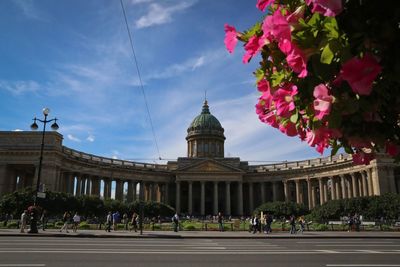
29 10
90 138
135 2
18 130
19 87
158 15
73 138
178 68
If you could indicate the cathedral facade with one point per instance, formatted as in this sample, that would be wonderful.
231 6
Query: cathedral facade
202 183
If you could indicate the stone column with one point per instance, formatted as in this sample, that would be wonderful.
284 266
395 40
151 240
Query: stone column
262 188
325 187
333 188
286 191
338 189
215 200
166 193
78 185
88 185
203 198
227 198
365 184
344 191
178 197
313 196
309 193
321 191
190 198
275 191
119 190
299 199
129 196
95 190
240 198
368 176
354 184
251 197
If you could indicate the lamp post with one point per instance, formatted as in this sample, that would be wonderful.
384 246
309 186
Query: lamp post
34 127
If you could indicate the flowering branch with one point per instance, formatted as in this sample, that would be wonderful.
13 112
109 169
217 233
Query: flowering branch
329 73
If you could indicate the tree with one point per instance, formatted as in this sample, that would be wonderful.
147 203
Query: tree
329 72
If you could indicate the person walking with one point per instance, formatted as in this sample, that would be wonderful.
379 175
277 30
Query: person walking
125 221
134 221
76 219
220 220
66 218
108 222
115 219
43 219
302 224
24 220
175 220
292 222
268 222
255 221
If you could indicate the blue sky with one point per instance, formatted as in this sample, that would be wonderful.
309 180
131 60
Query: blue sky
74 57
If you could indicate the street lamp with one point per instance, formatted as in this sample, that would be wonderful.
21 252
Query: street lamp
34 127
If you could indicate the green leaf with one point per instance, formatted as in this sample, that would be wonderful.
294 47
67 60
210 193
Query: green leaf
327 55
295 117
259 73
276 78
331 27
251 32
314 21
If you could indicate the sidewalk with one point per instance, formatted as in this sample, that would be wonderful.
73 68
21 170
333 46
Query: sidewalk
203 234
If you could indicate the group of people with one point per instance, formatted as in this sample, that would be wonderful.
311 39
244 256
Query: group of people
113 219
262 223
67 219
25 218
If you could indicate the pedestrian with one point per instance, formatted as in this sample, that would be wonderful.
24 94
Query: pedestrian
302 223
115 219
76 219
220 219
126 221
24 220
134 221
292 222
255 221
175 220
268 222
66 218
43 219
350 223
108 222
6 218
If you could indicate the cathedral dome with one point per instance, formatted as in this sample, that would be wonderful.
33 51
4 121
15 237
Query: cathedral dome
205 135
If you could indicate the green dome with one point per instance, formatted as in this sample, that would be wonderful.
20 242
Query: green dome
205 121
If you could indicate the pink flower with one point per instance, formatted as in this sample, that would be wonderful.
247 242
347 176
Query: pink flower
288 128
276 26
297 61
319 138
323 101
362 157
392 149
230 38
266 115
262 4
263 85
284 101
252 47
294 17
328 8
360 73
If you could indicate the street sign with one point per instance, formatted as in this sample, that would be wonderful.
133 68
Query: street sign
41 195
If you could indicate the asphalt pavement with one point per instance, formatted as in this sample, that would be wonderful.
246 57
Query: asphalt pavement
204 234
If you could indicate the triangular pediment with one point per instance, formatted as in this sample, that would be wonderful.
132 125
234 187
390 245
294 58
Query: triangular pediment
209 165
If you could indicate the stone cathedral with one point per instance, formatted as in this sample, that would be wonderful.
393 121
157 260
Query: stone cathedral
202 183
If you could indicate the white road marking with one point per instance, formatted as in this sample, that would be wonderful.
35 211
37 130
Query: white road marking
344 241
358 245
22 265
362 265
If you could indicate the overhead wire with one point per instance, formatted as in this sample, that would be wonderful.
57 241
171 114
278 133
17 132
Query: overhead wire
140 79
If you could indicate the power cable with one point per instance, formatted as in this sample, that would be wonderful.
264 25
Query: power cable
140 79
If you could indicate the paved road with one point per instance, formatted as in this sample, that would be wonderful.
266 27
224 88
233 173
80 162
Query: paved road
56 251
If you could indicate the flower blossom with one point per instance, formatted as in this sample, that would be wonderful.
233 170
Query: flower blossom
362 158
360 73
284 101
323 101
297 61
288 128
252 47
328 8
392 149
320 137
262 4
230 38
276 26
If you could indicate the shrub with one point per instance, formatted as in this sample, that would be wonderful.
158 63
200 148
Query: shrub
84 225
189 227
12 225
321 227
